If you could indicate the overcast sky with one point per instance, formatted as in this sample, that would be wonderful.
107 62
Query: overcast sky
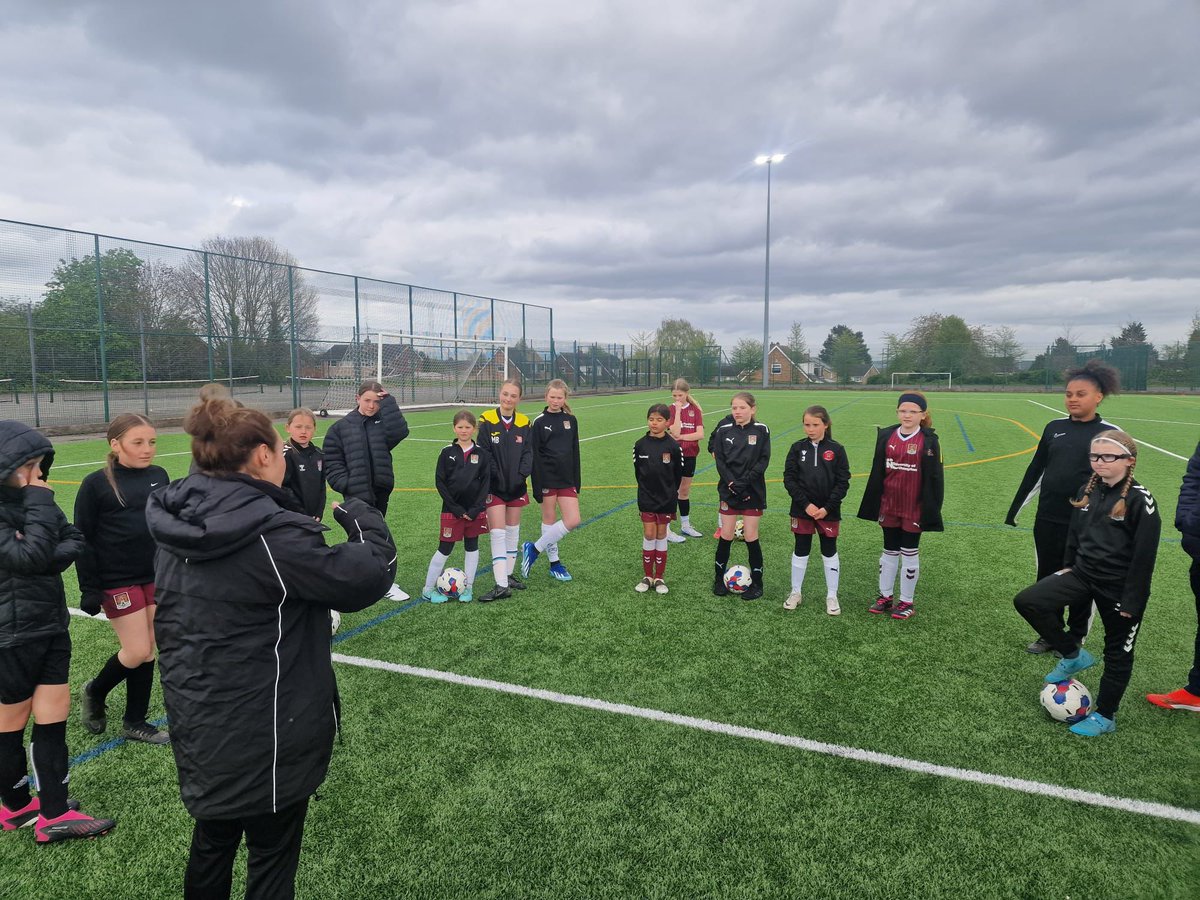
1023 163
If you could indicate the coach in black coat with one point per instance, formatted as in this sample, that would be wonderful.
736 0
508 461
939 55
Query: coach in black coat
245 583
358 448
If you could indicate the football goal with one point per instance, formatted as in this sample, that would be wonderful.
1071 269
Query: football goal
923 379
419 369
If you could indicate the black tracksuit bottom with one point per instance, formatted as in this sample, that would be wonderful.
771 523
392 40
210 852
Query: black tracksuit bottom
1192 546
272 855
1042 604
1050 545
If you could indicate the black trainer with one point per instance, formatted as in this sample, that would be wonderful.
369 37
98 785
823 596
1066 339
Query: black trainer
145 732
515 581
92 712
498 592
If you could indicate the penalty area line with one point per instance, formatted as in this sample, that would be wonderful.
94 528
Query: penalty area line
1037 788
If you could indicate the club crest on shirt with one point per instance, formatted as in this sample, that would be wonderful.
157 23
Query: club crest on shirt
520 439
320 465
474 459
666 457
827 456
122 600
752 440
912 450
724 506
447 532
795 522
567 425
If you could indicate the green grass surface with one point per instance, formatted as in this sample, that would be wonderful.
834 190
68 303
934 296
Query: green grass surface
443 790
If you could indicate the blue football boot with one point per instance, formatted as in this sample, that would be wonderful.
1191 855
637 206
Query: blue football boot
1094 726
1069 666
559 571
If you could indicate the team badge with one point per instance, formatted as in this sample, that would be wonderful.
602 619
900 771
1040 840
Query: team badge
912 449
795 523
447 532
520 439
474 459
320 465
122 600
567 426
724 506
827 456
666 457
752 440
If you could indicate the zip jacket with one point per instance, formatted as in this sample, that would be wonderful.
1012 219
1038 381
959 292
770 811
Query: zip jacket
657 469
511 451
819 475
743 454
1058 470
555 452
304 476
463 478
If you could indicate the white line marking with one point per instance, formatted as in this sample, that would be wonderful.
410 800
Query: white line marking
1037 788
596 437
1141 442
103 462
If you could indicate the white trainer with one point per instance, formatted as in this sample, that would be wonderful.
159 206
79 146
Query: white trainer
794 599
394 593
831 605
644 585
673 538
660 586
690 531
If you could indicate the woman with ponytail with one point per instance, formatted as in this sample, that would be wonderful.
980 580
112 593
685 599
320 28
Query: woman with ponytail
1109 559
116 573
245 584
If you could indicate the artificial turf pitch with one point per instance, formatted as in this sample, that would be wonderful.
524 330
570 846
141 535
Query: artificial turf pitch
455 790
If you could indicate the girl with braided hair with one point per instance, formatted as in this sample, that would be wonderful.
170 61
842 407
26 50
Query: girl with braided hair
1109 559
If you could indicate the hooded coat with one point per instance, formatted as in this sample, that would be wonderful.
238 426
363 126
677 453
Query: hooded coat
358 451
244 586
37 544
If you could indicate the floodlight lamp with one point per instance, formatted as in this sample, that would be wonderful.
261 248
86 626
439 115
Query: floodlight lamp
761 159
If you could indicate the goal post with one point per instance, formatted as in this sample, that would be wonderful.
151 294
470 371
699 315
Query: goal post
420 369
923 379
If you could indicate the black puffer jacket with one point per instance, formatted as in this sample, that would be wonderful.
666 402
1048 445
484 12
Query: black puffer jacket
37 544
244 589
358 451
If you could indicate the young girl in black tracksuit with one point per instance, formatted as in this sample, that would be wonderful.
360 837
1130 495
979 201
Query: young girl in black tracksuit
305 473
817 476
658 468
743 452
556 478
37 545
116 573
504 431
463 477
1109 560
1058 470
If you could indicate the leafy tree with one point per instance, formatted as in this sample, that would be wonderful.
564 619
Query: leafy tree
747 355
846 354
643 342
680 334
1133 334
1004 348
854 339
797 344
1059 357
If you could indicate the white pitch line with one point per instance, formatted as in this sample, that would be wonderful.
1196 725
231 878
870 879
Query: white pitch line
1139 440
1037 788
596 437
102 462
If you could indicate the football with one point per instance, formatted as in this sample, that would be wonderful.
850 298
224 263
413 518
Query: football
451 583
335 621
737 579
1067 700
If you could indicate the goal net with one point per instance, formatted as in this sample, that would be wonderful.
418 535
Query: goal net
921 380
420 370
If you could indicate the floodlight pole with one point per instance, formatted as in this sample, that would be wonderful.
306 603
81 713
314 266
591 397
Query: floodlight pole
767 160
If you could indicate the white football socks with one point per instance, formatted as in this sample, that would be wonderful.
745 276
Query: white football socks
552 535
799 567
471 566
908 576
435 569
889 563
831 564
500 557
512 537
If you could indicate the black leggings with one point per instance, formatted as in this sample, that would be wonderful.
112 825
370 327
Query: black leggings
1192 546
804 545
897 539
1050 545
471 545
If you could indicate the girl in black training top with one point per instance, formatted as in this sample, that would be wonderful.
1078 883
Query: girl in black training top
817 476
556 478
463 479
305 473
1058 470
658 468
116 573
743 451
1109 560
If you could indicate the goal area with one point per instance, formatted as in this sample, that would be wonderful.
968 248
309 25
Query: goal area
419 370
921 380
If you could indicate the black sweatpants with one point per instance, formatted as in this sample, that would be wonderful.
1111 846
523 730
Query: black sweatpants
1050 546
272 855
1192 546
1042 604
